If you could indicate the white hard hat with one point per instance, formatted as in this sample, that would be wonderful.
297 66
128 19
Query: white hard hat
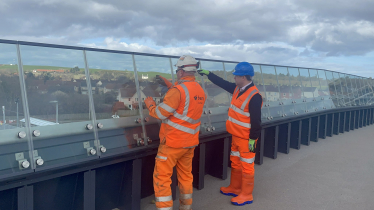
187 63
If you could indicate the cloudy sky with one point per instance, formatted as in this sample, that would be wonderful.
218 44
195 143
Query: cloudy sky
335 35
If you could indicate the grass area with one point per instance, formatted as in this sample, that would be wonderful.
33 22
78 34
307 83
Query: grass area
96 73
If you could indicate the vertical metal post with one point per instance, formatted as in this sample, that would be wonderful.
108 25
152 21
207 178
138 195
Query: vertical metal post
354 120
260 157
288 138
275 151
26 112
89 190
25 197
324 136
91 103
318 122
344 121
136 183
57 112
310 130
3 117
225 156
140 101
332 124
171 69
200 182
300 132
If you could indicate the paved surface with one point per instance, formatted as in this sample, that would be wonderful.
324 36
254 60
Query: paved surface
334 173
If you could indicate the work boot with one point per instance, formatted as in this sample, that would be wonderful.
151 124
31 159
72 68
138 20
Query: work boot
245 197
235 183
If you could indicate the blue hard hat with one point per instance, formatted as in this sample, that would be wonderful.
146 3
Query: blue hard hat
244 68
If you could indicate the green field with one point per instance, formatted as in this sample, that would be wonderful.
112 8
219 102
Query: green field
93 72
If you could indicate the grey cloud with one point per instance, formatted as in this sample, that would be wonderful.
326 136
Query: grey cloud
325 27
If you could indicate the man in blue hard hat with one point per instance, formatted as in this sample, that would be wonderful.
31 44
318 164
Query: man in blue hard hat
244 123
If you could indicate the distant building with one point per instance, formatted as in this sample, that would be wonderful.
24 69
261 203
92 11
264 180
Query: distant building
129 96
144 76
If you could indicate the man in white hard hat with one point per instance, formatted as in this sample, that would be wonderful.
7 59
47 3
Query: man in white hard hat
180 113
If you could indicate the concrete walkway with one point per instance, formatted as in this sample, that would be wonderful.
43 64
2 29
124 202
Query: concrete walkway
336 173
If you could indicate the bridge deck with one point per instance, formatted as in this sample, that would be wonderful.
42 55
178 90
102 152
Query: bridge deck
333 173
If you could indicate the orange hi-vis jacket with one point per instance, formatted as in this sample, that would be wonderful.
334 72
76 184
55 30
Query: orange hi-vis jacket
180 113
239 122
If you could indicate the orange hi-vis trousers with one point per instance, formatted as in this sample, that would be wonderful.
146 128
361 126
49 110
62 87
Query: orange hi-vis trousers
241 158
168 157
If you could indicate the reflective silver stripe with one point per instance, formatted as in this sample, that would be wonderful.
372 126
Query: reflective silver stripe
185 196
162 157
182 128
166 107
249 96
235 153
159 115
187 103
250 160
246 125
184 207
166 208
185 118
164 199
236 109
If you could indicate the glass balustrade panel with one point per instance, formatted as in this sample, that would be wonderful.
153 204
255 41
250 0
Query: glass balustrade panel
148 68
271 87
218 99
58 100
297 90
14 140
115 99
285 91
324 92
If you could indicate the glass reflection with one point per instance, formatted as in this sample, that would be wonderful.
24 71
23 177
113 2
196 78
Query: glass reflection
217 97
271 89
344 86
324 92
356 91
318 103
306 77
359 90
338 88
296 88
285 90
365 90
56 85
58 99
148 67
349 90
14 149
371 89
113 85
332 89
11 107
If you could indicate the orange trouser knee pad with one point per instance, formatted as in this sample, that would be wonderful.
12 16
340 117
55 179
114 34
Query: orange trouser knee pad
235 186
245 196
